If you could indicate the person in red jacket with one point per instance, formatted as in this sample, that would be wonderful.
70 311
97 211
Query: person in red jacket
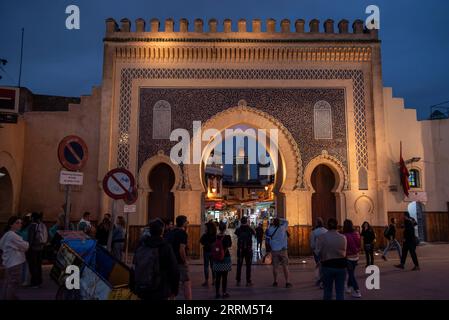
352 256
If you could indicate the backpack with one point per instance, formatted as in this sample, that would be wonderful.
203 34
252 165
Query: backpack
217 250
147 276
245 239
41 233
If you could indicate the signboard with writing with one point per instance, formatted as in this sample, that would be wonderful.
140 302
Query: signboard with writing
71 178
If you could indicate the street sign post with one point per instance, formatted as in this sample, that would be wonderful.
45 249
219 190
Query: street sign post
119 184
72 154
127 209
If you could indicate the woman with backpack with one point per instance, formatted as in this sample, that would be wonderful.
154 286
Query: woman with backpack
207 240
222 263
352 256
13 247
369 237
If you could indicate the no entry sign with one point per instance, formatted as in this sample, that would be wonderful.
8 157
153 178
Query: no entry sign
72 153
119 184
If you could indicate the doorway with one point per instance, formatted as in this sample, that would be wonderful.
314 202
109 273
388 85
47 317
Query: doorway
161 202
6 195
323 199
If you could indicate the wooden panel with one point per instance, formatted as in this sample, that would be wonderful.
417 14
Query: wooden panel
299 241
437 226
194 246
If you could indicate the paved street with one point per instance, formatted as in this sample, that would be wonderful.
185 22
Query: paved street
429 283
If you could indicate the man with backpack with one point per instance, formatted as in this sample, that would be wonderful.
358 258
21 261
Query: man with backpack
390 234
37 238
244 235
155 269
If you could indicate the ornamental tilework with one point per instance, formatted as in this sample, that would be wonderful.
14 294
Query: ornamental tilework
292 107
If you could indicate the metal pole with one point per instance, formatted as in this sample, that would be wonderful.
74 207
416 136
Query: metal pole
127 237
114 216
67 208
21 58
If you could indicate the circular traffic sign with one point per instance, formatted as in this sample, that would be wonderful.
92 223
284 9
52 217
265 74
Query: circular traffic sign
119 184
72 153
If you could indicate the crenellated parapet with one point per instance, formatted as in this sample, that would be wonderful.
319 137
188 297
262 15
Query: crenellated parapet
270 27
258 40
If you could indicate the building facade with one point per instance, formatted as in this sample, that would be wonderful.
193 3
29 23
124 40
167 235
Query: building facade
338 129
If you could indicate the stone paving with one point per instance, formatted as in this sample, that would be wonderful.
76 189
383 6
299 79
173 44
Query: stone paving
431 282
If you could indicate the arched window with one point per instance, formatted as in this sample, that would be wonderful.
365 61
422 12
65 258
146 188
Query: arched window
414 179
322 120
161 120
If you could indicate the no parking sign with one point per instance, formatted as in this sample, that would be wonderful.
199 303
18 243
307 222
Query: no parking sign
119 184
72 153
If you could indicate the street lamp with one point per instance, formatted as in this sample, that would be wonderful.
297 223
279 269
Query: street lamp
214 190
266 188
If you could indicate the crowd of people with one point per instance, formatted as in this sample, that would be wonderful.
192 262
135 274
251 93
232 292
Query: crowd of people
160 265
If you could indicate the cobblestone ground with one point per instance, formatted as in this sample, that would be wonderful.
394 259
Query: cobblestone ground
431 282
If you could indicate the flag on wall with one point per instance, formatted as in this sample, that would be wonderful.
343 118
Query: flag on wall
403 173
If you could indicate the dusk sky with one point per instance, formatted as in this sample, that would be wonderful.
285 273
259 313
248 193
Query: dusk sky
57 61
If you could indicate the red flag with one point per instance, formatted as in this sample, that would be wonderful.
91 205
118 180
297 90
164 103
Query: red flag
404 173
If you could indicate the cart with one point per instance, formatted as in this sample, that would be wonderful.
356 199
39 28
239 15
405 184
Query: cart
102 276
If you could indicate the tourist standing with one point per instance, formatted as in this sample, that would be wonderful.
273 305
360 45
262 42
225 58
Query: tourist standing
244 250
103 230
352 256
23 232
178 240
37 238
84 224
259 237
13 247
155 268
207 240
278 240
331 248
316 232
222 263
410 242
369 238
390 234
118 238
